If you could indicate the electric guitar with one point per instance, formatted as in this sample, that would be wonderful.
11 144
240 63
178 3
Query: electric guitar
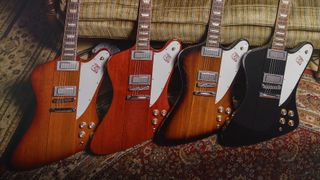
268 108
139 78
208 70
66 91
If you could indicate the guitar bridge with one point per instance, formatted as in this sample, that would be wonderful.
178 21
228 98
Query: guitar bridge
138 97
204 93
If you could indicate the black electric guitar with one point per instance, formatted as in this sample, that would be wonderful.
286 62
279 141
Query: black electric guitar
272 73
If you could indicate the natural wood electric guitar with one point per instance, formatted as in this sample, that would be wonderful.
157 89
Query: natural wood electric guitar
272 74
139 78
66 91
208 71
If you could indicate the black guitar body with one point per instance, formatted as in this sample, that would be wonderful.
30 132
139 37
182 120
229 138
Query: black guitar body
260 118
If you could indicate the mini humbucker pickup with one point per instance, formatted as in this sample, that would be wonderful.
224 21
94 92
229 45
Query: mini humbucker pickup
211 52
65 91
67 65
272 78
140 79
276 54
141 55
207 76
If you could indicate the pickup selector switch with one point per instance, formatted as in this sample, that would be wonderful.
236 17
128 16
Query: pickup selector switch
82 134
219 118
156 112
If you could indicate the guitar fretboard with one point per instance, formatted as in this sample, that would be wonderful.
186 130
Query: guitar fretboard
144 23
281 26
70 37
213 35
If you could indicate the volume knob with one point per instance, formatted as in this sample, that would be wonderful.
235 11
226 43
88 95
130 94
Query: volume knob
290 113
282 121
164 112
219 118
154 121
156 112
82 125
220 109
228 110
284 112
92 125
82 134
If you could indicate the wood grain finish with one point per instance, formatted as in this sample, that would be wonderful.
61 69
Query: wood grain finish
128 122
195 116
52 135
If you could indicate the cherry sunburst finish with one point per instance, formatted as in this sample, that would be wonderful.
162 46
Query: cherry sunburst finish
139 78
208 71
66 92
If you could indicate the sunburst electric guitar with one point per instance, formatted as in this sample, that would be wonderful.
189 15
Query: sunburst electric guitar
66 91
139 78
208 71
268 108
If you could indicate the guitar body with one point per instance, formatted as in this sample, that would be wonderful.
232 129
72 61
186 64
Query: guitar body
56 135
129 122
260 118
197 116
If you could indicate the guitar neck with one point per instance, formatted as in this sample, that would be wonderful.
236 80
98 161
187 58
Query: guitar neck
281 26
213 35
70 37
144 23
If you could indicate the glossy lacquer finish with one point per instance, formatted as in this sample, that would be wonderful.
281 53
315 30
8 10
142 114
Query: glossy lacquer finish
130 122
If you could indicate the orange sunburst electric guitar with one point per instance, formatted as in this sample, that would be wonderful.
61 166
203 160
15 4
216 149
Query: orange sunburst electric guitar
66 91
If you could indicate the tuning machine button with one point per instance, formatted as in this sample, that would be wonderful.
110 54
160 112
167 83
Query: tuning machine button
282 121
291 123
283 112
82 125
92 125
82 134
156 112
154 121
164 112
219 118
220 109
290 113
228 110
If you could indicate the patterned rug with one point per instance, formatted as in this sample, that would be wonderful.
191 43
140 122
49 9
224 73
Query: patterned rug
26 40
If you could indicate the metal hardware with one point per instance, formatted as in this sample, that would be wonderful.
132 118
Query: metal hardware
272 78
139 88
211 52
62 109
64 100
142 79
209 76
206 85
282 121
291 123
283 112
141 55
65 91
154 121
82 134
269 95
219 118
82 125
291 113
156 112
276 54
220 109
202 93
271 87
91 125
138 97
67 65
228 110
164 112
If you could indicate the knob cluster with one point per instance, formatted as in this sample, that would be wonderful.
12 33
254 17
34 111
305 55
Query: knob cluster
286 118
157 113
221 113
84 125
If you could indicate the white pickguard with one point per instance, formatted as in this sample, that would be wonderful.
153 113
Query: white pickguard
296 63
91 73
230 64
163 63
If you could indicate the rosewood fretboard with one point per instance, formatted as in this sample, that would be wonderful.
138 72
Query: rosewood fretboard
144 23
213 35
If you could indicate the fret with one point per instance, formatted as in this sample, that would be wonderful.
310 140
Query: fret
213 35
281 26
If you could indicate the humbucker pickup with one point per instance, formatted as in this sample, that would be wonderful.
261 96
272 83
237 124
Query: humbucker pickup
138 97
276 54
272 78
142 79
65 91
62 109
141 55
211 52
209 76
67 65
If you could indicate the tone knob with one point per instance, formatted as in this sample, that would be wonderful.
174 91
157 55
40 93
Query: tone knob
164 112
82 125
291 113
156 112
92 125
291 123
154 121
228 110
220 109
284 112
219 118
282 121
82 134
